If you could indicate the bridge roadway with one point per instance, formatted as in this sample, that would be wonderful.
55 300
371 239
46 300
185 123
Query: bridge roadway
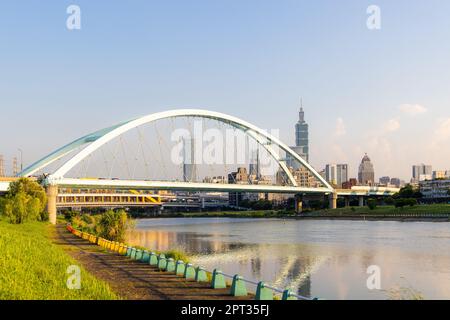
134 199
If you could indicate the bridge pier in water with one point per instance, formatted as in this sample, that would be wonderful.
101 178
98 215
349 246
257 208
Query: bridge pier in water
52 195
298 203
361 201
347 201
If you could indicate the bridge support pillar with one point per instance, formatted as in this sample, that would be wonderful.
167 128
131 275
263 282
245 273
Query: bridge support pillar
333 200
52 194
361 201
298 203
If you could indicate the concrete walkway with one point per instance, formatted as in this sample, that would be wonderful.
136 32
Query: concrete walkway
133 280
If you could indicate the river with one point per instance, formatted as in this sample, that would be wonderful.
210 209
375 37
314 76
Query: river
328 259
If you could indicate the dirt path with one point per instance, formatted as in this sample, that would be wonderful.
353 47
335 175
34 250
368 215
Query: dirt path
133 280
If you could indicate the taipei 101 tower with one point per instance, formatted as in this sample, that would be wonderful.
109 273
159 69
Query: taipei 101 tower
302 136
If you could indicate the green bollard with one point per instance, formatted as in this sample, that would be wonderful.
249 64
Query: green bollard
170 265
162 262
180 268
153 259
238 288
133 253
287 295
128 254
200 275
139 254
218 280
145 257
189 272
263 293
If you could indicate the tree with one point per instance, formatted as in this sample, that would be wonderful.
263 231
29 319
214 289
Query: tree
25 200
408 192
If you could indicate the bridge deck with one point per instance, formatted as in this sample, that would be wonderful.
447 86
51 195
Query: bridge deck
133 280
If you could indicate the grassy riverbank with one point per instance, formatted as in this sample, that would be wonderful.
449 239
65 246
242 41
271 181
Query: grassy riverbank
234 214
421 210
424 211
32 267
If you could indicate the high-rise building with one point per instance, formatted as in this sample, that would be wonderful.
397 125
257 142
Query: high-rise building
238 177
421 172
336 174
439 174
302 135
189 165
396 182
254 168
385 180
366 172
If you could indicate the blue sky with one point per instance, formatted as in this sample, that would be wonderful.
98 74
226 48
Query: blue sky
385 92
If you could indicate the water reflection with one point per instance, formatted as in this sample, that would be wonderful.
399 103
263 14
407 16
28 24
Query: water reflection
328 259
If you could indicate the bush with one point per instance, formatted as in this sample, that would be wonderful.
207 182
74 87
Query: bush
400 203
26 200
372 204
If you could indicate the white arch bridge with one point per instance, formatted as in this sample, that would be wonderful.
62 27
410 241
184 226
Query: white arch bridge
81 149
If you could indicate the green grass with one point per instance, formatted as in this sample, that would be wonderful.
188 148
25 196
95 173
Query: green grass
387 210
33 268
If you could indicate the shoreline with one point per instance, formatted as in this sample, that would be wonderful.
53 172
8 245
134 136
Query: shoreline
290 217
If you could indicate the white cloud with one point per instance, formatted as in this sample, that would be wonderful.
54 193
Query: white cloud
412 109
340 128
391 125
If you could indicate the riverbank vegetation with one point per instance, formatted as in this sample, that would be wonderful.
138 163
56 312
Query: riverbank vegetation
111 225
392 210
32 267
25 201
238 214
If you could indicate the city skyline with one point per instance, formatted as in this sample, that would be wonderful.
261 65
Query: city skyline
379 92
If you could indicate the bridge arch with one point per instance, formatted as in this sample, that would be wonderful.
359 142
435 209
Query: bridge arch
99 138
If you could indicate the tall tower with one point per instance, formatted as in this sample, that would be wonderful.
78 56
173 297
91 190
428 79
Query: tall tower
302 135
2 166
15 167
366 172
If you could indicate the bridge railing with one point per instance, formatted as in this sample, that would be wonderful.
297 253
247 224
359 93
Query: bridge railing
216 278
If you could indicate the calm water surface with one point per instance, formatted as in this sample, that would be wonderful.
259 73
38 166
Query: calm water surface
316 258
